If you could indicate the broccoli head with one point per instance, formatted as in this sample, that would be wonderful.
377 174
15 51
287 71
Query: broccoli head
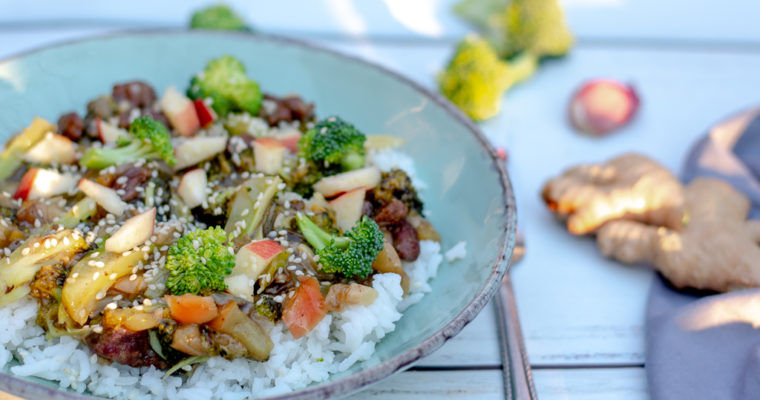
350 255
150 140
219 17
475 79
517 26
333 142
224 81
198 262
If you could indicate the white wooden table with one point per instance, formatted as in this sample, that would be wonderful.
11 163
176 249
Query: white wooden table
693 61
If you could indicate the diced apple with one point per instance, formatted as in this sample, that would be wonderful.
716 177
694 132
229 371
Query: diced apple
289 139
192 187
368 178
348 208
135 231
109 134
206 114
197 149
180 111
250 261
52 149
40 183
104 196
268 153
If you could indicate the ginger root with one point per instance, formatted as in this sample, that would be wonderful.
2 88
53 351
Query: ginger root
697 236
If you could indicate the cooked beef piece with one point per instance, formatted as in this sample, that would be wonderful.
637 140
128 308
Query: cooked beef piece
71 126
367 208
42 210
125 347
135 177
391 213
405 241
139 94
287 109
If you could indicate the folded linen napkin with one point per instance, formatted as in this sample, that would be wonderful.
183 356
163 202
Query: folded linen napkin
707 346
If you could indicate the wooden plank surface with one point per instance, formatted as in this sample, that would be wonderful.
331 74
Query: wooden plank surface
554 384
606 20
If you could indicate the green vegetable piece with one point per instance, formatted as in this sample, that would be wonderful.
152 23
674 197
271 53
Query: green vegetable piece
517 26
351 255
19 268
150 140
475 79
333 142
10 158
226 83
198 262
218 17
187 361
249 204
80 212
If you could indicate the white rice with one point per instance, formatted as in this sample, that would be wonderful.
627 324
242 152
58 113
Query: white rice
339 341
458 252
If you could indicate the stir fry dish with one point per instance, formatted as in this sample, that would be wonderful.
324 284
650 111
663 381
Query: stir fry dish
165 231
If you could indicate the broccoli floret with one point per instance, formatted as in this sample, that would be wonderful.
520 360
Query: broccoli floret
517 26
351 255
150 140
198 262
219 17
475 79
230 89
396 184
268 308
48 281
333 142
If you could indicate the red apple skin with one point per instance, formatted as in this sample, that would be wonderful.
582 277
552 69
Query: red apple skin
98 123
265 249
206 114
186 122
290 140
22 192
601 106
269 142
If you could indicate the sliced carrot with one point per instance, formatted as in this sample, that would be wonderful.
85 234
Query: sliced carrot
303 311
192 309
224 313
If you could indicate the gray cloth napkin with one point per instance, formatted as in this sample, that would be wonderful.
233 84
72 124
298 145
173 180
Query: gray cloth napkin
702 346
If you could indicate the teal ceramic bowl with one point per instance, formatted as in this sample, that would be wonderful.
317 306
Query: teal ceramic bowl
469 195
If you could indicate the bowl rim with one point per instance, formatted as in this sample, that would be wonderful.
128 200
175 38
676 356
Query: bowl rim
362 379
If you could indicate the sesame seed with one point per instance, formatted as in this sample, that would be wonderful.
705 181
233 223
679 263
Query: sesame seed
25 251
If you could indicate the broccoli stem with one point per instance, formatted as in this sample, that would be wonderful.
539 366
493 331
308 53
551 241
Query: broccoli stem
318 238
352 161
522 67
99 158
80 212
